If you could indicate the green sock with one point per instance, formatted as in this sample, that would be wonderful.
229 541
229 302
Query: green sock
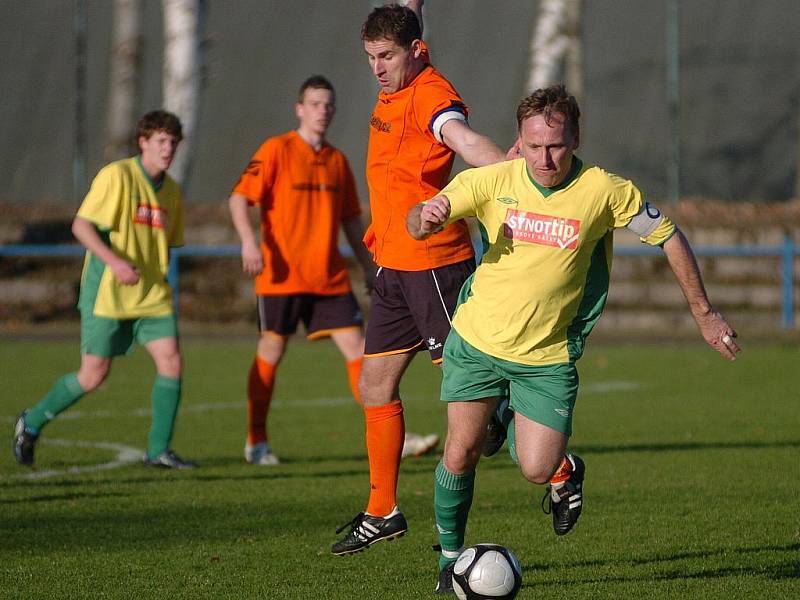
165 397
64 393
452 499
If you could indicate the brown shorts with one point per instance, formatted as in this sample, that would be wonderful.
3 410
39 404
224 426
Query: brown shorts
411 310
321 315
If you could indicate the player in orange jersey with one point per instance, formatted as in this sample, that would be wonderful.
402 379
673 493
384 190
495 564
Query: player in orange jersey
305 191
418 125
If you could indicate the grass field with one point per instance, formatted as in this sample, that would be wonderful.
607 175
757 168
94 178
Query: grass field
691 490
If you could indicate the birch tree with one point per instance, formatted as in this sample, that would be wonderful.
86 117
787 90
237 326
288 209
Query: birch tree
182 73
123 79
556 53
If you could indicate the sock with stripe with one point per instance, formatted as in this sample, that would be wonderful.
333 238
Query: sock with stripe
353 375
165 397
64 393
452 499
260 382
563 471
385 434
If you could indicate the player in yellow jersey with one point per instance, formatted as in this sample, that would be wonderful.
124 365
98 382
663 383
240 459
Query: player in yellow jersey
131 217
524 316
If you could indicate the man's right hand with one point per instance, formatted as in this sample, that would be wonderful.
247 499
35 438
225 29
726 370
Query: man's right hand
434 214
126 273
252 259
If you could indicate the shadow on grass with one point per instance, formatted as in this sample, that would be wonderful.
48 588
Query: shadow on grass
62 497
782 569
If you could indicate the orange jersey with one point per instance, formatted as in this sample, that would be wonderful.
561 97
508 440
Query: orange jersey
406 165
304 196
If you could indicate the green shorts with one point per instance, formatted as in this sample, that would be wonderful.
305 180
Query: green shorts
114 337
543 394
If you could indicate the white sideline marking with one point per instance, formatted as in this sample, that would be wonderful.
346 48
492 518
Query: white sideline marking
589 388
125 456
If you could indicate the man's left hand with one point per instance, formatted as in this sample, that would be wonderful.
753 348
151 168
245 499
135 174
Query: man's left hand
718 334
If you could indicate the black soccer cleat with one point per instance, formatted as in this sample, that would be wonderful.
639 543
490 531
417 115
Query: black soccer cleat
365 530
495 437
445 583
168 460
24 442
566 498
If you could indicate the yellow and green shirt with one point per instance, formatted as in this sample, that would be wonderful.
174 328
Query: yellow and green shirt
543 279
140 221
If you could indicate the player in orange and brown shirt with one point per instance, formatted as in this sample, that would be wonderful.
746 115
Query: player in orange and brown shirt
305 192
418 125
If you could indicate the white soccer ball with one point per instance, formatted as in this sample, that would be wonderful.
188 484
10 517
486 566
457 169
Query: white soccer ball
487 571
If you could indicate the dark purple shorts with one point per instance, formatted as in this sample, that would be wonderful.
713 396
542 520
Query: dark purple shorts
411 310
321 315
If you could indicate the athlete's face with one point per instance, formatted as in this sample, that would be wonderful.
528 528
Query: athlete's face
316 111
158 150
547 148
394 66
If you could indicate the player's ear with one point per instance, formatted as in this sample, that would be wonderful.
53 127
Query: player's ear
140 142
416 48
298 109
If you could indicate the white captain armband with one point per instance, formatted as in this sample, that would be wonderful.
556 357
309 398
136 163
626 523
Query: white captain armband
646 221
448 114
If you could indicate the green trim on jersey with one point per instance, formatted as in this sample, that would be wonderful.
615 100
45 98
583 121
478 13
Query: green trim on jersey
153 184
595 294
92 274
576 167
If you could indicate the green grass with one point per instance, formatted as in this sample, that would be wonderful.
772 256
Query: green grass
691 491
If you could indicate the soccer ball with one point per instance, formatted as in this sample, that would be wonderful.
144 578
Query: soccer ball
487 571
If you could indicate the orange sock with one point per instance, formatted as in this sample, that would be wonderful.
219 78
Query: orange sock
260 382
353 375
385 433
563 471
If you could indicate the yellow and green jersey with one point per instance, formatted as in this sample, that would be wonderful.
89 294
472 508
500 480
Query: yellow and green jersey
543 279
140 221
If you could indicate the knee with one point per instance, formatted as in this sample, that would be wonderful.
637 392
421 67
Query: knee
170 365
90 377
459 458
537 472
373 393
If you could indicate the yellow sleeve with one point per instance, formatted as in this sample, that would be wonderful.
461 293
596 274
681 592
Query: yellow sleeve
661 233
102 204
626 200
465 194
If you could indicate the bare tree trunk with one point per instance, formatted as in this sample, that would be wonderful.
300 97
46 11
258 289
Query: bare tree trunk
123 80
555 51
182 72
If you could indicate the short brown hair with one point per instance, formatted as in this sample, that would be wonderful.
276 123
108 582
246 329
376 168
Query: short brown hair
315 82
549 101
159 120
392 22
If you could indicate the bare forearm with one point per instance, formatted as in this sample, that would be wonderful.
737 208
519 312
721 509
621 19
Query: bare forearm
86 233
416 6
240 216
684 266
476 149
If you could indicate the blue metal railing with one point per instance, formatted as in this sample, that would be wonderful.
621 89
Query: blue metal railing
787 253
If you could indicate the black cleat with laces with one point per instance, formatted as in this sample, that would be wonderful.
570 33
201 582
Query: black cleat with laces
565 498
24 442
365 530
445 583
168 460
